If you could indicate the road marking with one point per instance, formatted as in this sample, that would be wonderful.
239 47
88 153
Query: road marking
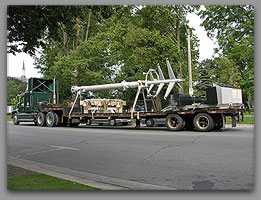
63 147
57 148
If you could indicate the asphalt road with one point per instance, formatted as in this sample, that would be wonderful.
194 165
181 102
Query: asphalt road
185 160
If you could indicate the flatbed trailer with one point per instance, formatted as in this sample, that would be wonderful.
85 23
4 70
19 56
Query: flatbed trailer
201 117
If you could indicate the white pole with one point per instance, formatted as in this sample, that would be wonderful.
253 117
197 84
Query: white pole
189 66
54 92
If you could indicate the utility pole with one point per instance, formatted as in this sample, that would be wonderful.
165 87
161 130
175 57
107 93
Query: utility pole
189 66
189 56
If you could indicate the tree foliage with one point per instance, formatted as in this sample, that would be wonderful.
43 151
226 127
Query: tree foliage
205 77
233 26
14 87
84 45
122 47
28 27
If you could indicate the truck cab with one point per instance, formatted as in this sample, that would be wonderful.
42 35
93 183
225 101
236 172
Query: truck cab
38 91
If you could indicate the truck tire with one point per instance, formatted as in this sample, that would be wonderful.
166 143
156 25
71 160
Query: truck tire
15 120
112 122
51 119
174 122
149 122
58 120
40 119
203 122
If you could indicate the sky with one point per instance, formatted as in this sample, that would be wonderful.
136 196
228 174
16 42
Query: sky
15 63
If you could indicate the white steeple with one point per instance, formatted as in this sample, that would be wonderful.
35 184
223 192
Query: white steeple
23 77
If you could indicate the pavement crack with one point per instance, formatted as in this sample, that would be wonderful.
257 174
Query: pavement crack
197 137
165 147
89 139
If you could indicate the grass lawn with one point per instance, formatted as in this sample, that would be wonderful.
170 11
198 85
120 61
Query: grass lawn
38 182
247 120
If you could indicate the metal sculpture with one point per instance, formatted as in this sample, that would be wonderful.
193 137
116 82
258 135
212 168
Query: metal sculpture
147 84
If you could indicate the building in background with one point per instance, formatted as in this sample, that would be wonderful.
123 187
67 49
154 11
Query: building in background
23 77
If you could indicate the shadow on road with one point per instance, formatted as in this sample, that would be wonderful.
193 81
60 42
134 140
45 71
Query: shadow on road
132 127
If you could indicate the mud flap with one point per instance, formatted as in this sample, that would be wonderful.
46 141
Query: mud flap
223 121
234 121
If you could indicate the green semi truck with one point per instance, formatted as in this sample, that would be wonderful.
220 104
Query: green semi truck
40 104
38 92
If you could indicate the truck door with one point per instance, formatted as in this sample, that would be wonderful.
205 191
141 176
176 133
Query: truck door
21 105
27 102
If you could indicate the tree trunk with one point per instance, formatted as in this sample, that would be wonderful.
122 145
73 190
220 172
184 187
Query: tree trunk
158 102
232 76
65 43
249 101
88 25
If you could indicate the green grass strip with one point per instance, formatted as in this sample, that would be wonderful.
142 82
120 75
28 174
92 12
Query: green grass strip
247 120
38 182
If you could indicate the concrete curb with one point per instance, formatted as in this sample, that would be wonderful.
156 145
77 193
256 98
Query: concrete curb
241 125
93 180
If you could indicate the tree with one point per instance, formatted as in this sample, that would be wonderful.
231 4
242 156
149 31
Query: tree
109 44
87 65
14 87
205 77
233 26
140 38
28 27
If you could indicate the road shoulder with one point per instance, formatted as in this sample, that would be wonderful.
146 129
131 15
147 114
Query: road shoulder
93 180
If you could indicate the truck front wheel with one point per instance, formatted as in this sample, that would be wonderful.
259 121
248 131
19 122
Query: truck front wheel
203 122
15 120
51 119
40 119
174 122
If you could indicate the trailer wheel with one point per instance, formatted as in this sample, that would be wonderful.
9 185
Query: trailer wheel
15 120
174 122
88 122
51 119
112 122
149 122
203 122
40 119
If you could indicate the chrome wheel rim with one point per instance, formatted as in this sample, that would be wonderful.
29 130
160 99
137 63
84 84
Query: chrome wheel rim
173 122
203 122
